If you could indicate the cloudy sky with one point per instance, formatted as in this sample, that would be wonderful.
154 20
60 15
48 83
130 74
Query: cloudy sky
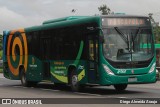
24 13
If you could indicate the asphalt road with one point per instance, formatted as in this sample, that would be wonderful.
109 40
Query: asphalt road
13 89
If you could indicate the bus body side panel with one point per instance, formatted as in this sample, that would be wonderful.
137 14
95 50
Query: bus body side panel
5 64
59 71
16 55
35 69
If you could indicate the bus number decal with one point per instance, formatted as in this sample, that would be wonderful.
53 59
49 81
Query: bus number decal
80 67
121 71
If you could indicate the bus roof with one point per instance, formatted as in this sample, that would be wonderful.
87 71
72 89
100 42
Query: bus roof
63 22
71 20
64 19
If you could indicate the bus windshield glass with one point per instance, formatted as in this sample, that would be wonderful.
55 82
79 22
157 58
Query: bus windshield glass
128 43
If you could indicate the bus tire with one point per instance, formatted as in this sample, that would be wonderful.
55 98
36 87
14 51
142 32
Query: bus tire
74 83
32 83
24 81
59 85
120 87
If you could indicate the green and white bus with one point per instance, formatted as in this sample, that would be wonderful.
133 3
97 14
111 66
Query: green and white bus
82 50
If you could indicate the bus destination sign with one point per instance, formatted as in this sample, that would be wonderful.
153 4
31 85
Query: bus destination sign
125 21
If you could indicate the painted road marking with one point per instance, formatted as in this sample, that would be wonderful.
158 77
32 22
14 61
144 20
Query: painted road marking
17 86
48 89
87 94
122 97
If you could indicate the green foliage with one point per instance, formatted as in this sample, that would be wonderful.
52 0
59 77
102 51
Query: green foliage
156 31
104 9
1 54
1 70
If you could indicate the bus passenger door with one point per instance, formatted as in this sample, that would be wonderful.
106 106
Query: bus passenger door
92 59
45 56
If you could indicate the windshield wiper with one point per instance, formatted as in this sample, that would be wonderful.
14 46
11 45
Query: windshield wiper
138 32
122 35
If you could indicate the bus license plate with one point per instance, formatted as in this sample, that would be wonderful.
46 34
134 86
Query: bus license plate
132 79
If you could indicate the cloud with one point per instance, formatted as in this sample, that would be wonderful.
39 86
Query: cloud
24 13
19 14
12 20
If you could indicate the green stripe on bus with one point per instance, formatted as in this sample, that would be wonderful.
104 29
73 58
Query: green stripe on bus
79 53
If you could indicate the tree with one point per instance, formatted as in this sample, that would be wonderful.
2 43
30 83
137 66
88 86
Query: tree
156 28
104 9
156 31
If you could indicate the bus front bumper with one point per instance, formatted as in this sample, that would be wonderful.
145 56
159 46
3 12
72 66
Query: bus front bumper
130 79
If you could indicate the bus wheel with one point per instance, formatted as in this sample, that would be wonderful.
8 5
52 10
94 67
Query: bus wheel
59 85
120 87
24 82
74 82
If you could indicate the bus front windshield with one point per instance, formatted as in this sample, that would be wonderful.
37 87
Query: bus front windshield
128 44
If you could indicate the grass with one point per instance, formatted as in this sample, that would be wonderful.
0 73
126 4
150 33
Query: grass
1 70
1 54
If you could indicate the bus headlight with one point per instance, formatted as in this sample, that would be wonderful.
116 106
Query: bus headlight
106 68
152 68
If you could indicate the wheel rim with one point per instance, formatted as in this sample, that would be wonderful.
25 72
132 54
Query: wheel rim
23 79
74 80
